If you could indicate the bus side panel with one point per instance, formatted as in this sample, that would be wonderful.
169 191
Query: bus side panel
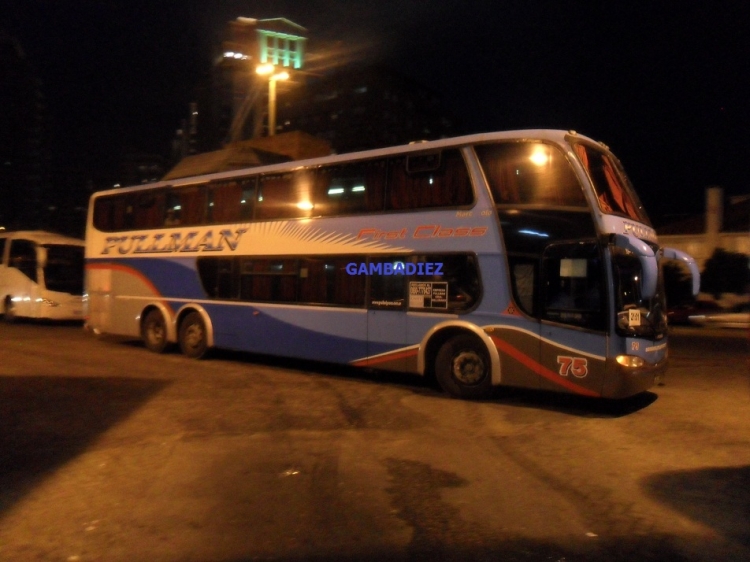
518 347
119 289
98 314
116 297
22 290
530 361
336 335
573 360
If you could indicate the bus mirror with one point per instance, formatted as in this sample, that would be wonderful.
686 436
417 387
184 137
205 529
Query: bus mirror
672 254
647 258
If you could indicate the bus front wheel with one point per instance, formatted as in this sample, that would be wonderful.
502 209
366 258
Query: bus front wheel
154 331
463 367
193 340
10 313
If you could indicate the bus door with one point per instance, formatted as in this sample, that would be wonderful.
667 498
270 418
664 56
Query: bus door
518 339
573 327
386 314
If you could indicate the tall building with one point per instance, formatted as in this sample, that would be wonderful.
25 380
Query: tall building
354 107
357 108
24 177
238 106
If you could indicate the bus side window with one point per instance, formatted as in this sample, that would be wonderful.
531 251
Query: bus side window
269 280
224 202
428 180
149 209
247 199
173 211
2 251
326 281
455 289
23 257
349 188
226 278
114 212
104 210
280 197
185 206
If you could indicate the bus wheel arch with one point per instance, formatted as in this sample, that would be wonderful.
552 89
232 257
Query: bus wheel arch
194 332
155 331
455 353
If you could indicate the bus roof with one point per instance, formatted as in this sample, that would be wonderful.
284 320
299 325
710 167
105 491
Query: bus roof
42 237
553 135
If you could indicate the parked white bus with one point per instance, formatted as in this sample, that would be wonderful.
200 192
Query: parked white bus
41 276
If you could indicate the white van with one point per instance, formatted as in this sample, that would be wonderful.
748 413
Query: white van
41 276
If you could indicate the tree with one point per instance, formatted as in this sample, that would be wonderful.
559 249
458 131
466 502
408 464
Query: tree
678 285
725 272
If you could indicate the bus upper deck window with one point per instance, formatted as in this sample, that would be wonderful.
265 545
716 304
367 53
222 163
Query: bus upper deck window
530 173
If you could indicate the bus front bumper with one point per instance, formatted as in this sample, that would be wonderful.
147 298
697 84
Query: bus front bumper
66 308
623 381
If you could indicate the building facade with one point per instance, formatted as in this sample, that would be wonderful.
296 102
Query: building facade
24 165
724 226
358 108
239 95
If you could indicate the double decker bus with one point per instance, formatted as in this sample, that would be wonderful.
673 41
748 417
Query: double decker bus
520 258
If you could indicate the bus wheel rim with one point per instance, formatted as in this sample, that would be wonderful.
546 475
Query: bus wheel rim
468 367
194 336
155 332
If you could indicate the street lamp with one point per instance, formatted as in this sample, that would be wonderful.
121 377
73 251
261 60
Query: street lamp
273 77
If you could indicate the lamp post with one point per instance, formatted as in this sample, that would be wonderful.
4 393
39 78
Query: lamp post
273 77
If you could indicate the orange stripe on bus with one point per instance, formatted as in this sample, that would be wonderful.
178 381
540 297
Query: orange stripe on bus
393 356
126 269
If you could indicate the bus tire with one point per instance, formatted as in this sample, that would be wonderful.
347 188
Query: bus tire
154 331
192 337
10 314
463 368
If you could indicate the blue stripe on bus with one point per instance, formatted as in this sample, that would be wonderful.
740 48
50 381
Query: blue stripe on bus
341 336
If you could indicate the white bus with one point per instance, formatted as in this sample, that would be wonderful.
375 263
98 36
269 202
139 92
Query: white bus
41 276
519 258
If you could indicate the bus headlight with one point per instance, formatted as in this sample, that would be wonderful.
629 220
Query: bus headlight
630 361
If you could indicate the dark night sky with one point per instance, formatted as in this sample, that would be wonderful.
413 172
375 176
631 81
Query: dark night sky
665 84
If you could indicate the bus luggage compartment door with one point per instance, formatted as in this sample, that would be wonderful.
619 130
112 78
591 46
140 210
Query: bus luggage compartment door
386 338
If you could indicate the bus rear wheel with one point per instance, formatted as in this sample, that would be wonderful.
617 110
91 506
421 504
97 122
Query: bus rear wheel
463 367
193 339
154 331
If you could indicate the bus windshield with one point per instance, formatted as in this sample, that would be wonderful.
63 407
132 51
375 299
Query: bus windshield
63 270
636 316
614 192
